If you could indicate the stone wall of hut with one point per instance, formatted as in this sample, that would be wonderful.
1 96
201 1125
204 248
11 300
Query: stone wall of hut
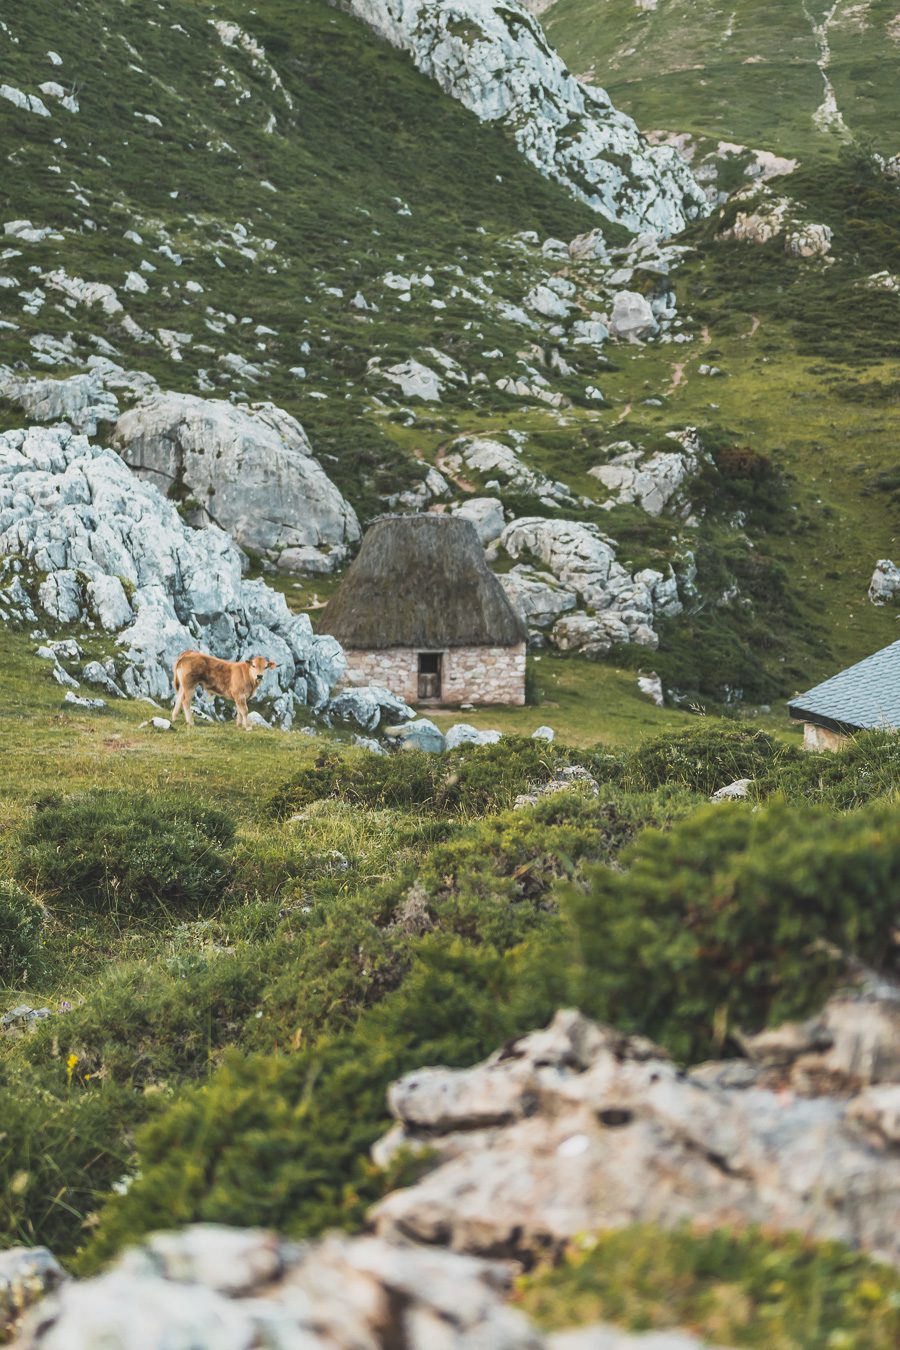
468 674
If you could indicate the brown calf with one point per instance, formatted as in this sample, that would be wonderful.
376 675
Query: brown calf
232 679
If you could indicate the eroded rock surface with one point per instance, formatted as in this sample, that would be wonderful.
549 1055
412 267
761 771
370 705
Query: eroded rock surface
215 1288
496 61
579 1128
115 550
249 470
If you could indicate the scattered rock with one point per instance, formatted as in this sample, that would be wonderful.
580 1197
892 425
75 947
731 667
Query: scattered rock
652 686
485 513
26 1275
885 583
543 734
89 704
419 735
575 776
461 733
735 791
491 459
632 318
367 707
160 724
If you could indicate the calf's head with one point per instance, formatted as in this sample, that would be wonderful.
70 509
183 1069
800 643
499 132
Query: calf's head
259 665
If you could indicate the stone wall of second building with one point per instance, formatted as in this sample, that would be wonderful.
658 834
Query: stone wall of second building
468 674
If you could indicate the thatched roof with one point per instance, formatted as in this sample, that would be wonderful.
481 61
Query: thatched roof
421 581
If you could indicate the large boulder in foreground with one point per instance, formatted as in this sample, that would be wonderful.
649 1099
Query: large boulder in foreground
217 1288
249 470
580 1128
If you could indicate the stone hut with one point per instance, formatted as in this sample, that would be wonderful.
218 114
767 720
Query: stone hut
863 697
420 612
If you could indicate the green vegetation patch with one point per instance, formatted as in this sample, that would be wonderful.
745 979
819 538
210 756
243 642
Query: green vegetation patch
743 1289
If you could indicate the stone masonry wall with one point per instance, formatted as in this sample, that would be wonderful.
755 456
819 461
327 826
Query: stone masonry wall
469 674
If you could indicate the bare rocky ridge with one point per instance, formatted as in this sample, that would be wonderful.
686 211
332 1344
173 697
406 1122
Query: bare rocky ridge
497 62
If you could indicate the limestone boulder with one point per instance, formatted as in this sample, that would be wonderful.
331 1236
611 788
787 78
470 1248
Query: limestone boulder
579 1128
215 1288
486 514
632 318
885 583
368 707
248 470
492 461
537 596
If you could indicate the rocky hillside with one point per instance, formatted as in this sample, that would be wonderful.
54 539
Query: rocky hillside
429 293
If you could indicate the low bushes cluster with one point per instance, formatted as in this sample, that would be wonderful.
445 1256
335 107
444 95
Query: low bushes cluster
110 853
703 758
742 1289
471 780
735 919
865 770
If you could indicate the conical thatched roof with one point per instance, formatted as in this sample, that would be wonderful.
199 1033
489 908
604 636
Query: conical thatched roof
421 581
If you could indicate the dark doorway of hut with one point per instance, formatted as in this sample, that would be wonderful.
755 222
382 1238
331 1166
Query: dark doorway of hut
429 677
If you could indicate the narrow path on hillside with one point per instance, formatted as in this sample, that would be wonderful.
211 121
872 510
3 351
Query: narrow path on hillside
679 367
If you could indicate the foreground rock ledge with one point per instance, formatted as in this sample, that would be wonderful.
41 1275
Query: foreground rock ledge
578 1128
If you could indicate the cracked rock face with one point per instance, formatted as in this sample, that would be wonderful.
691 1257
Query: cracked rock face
78 514
582 562
578 1128
251 471
497 62
215 1288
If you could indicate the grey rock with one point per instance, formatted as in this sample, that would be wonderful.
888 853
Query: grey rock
614 1338
251 471
59 596
462 733
89 704
735 791
367 707
108 603
212 1288
95 673
419 735
632 318
578 1128
543 734
26 1275
885 583
486 514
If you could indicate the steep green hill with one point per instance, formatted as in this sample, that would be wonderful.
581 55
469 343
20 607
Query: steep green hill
742 70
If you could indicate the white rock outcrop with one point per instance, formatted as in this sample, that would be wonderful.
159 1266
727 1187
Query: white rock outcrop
652 481
113 547
249 470
492 460
217 1288
579 1128
496 61
616 606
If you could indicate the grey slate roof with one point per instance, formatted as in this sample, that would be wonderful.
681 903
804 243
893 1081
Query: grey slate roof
864 696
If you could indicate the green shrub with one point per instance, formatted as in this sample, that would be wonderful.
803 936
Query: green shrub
735 919
471 780
493 880
706 757
110 853
283 1140
742 1289
867 768
21 922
